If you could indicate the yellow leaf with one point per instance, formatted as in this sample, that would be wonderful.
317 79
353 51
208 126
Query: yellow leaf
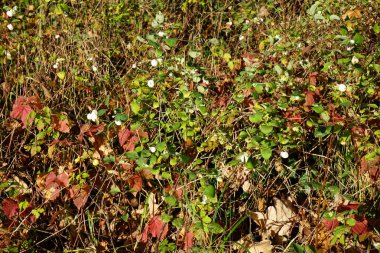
355 13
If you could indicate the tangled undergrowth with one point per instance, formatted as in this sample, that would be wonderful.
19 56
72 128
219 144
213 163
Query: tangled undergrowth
190 126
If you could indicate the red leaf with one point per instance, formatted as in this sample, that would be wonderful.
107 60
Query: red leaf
293 115
348 207
309 99
21 111
128 139
10 207
313 78
361 226
156 228
61 125
80 195
188 241
330 224
63 179
50 179
135 183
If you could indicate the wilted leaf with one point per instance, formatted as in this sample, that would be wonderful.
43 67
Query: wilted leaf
355 13
261 247
10 207
80 195
188 242
60 125
21 110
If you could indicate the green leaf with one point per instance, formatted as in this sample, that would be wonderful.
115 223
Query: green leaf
215 228
256 118
376 28
101 112
115 189
278 69
358 38
313 8
109 159
194 54
171 42
206 219
170 200
298 248
266 129
125 217
351 222
266 153
61 75
209 191
135 106
177 222
322 131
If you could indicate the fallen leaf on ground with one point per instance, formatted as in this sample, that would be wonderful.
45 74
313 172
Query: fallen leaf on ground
10 207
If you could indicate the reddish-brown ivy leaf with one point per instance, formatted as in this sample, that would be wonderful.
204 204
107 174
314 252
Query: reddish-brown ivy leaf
188 243
127 139
135 183
80 195
21 111
330 224
348 207
313 78
156 228
309 99
60 125
10 207
63 179
293 115
361 226
50 179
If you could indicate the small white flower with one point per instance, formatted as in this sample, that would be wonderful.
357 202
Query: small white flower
150 83
134 65
229 23
8 55
342 87
10 27
93 116
117 122
10 13
284 154
241 37
161 34
94 68
349 48
261 20
204 200
57 36
352 41
354 60
170 74
55 65
247 21
152 149
154 62
90 59
243 157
